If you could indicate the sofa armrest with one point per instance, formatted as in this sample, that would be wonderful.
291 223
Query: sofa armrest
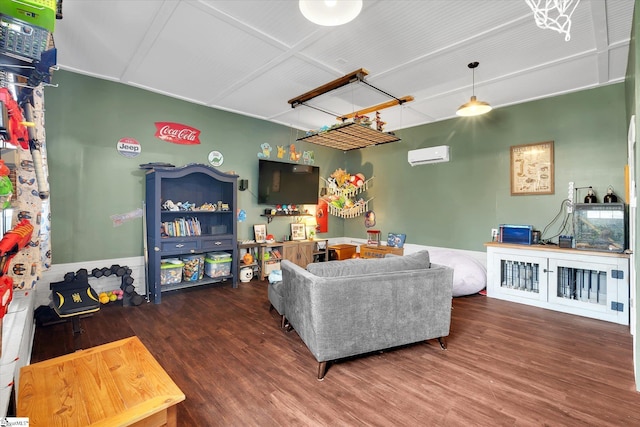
297 284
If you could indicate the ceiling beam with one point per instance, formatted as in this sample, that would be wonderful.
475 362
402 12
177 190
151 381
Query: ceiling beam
356 75
377 107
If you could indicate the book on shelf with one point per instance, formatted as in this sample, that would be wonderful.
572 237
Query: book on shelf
182 227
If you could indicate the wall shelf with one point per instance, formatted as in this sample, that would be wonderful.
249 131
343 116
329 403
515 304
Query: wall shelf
349 136
279 215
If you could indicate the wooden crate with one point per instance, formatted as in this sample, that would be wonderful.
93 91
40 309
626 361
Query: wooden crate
367 251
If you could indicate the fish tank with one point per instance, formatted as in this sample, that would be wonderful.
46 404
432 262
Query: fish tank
600 226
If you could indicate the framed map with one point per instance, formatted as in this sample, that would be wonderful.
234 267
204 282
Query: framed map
532 169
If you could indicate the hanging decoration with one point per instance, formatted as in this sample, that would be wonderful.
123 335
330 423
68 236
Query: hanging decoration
308 157
554 15
265 151
341 191
215 158
119 219
357 133
128 147
177 133
294 155
322 216
369 219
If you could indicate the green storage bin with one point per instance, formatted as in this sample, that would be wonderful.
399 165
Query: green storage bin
217 264
37 12
171 272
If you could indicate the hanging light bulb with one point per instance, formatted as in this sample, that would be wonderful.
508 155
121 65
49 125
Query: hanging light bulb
473 107
330 13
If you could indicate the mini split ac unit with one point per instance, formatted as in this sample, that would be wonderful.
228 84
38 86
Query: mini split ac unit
428 155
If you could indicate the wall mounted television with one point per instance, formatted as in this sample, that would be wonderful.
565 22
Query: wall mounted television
282 183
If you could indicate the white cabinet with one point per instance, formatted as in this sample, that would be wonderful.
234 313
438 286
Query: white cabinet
585 283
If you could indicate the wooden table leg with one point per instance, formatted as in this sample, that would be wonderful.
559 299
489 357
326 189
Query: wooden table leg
172 416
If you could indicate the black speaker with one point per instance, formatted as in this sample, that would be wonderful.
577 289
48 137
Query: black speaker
244 184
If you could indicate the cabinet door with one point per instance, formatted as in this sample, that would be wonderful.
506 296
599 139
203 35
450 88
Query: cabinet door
290 252
594 289
305 253
516 277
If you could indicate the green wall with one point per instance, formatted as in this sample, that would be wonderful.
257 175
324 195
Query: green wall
456 204
90 180
452 204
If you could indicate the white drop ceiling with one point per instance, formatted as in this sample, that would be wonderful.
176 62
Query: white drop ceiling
252 56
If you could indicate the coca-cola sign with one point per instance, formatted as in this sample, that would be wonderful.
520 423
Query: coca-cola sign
177 133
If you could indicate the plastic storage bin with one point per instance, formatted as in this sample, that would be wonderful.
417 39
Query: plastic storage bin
217 264
193 267
171 271
37 12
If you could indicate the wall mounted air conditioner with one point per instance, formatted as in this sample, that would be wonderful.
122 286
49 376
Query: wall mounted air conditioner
428 155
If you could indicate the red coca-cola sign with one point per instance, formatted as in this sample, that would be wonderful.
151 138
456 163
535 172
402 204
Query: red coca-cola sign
177 133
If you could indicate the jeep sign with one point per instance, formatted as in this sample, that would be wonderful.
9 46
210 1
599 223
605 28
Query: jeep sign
129 147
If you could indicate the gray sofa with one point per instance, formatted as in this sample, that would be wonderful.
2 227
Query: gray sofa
352 307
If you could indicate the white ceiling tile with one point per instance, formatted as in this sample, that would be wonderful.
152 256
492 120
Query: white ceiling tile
252 56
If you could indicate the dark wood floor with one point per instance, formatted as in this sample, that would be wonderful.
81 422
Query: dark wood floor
506 365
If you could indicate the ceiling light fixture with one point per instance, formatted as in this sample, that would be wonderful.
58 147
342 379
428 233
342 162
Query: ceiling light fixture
330 12
473 107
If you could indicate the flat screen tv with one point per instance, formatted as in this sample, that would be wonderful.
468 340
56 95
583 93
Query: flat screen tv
282 183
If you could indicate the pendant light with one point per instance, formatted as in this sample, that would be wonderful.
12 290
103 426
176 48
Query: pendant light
330 13
473 107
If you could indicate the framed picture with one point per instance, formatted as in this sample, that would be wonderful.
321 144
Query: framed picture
396 240
298 232
532 169
260 232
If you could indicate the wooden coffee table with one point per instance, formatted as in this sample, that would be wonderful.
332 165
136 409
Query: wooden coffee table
115 384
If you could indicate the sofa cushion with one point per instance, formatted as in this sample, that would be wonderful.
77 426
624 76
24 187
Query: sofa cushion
358 266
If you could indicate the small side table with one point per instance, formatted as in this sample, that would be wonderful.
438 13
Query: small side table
342 251
118 383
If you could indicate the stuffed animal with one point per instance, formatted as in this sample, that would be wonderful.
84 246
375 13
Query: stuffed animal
170 206
379 123
357 180
341 176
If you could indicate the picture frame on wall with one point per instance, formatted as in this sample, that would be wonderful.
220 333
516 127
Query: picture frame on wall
260 232
532 169
298 231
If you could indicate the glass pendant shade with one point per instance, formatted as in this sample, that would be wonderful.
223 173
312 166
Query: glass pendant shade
473 108
330 12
